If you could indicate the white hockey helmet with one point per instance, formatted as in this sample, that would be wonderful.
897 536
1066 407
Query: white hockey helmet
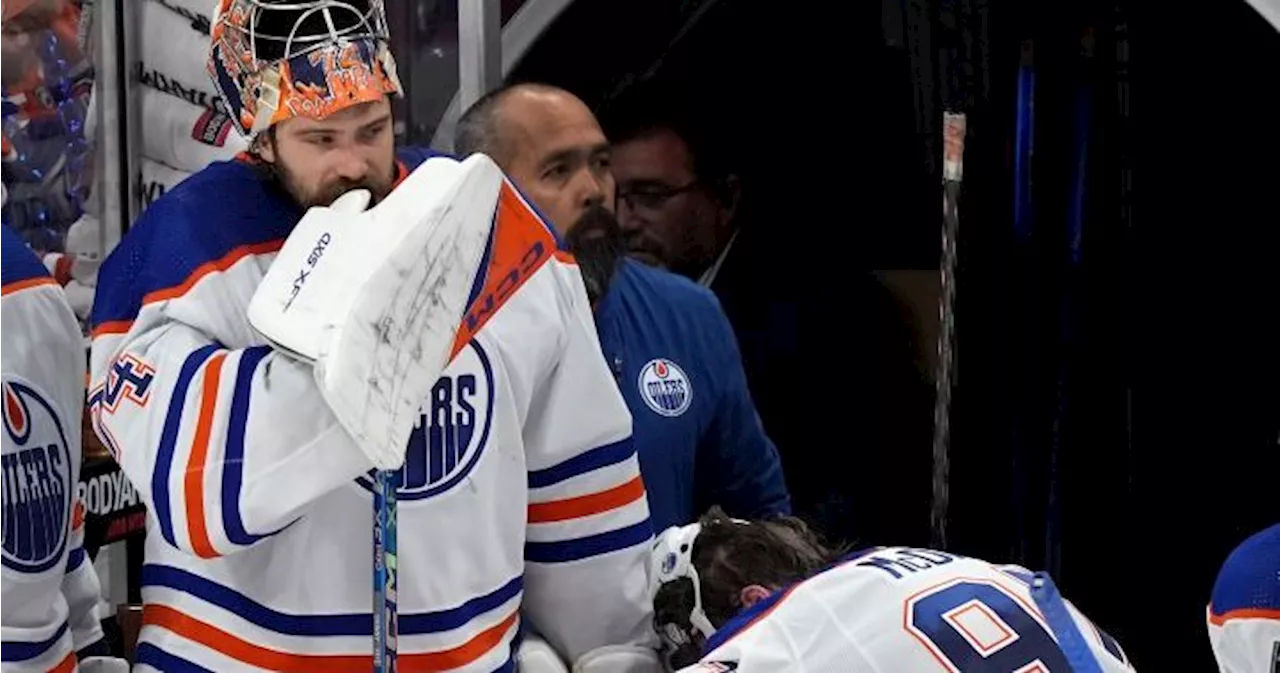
272 60
671 562
677 592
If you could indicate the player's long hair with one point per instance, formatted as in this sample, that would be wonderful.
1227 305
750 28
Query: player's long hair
773 552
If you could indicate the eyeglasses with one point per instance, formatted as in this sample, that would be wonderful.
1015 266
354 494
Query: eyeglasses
652 197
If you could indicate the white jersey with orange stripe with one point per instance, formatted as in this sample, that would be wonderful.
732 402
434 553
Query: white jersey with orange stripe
1244 610
521 494
50 593
897 609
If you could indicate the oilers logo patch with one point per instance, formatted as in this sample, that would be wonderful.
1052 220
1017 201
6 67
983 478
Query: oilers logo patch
453 430
37 493
665 388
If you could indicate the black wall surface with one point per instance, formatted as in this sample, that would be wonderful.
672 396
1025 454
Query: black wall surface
1117 414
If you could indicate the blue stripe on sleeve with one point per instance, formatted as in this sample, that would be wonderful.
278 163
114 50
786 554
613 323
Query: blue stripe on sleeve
601 456
592 545
75 559
160 660
233 464
12 650
169 438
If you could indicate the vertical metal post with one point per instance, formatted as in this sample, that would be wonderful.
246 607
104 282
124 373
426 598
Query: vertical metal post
131 50
110 77
479 49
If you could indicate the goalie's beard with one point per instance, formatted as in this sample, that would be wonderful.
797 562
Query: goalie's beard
278 172
597 243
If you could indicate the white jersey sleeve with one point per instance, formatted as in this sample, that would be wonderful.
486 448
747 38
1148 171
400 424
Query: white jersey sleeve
50 591
1244 612
589 529
181 386
82 591
902 609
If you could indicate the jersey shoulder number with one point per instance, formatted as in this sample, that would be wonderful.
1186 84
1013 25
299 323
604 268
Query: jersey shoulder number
991 623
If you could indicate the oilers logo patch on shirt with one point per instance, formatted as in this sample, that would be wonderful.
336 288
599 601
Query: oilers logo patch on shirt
665 387
37 479
453 430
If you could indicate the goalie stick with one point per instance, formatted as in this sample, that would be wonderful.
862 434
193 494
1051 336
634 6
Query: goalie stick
374 299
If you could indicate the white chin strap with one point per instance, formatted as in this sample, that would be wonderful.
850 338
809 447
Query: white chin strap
672 560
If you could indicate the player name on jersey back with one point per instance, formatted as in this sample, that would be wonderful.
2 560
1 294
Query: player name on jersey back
911 609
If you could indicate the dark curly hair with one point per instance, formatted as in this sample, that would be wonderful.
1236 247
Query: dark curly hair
770 552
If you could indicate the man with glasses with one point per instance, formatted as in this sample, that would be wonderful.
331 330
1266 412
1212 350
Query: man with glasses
676 203
672 351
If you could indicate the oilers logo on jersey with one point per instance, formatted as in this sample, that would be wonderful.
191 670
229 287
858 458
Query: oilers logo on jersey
37 479
665 388
454 428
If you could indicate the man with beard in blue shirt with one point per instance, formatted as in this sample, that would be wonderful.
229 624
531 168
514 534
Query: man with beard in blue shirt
671 348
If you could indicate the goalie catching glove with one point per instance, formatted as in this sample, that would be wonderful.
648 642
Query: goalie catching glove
373 298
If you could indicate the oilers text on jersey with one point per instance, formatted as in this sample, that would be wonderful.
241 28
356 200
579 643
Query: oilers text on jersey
50 589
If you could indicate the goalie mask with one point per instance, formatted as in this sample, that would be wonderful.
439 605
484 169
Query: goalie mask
273 60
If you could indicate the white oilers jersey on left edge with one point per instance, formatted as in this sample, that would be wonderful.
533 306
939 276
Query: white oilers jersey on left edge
50 589
521 494
903 610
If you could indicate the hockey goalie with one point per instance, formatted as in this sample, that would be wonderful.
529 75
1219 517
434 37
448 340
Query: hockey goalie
277 328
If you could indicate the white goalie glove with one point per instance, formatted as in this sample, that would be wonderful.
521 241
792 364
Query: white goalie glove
373 298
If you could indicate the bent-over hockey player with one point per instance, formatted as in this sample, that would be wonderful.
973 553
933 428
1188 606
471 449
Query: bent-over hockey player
521 495
766 595
50 599
1244 611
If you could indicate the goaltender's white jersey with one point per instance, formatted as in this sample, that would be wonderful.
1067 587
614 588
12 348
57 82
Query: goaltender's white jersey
904 610
50 589
521 493
1244 611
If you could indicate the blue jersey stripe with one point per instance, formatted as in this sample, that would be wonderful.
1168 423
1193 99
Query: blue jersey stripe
169 440
12 650
233 459
17 261
160 660
351 624
586 547
601 456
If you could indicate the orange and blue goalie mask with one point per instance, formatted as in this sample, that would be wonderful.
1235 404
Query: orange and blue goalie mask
273 60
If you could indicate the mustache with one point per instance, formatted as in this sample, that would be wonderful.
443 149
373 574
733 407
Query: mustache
638 240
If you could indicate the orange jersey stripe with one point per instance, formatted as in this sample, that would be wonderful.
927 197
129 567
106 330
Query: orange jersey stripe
163 616
1244 613
112 327
193 480
20 285
222 264
67 665
586 505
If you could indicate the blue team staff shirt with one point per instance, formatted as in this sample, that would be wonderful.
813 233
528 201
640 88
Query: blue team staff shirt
699 439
